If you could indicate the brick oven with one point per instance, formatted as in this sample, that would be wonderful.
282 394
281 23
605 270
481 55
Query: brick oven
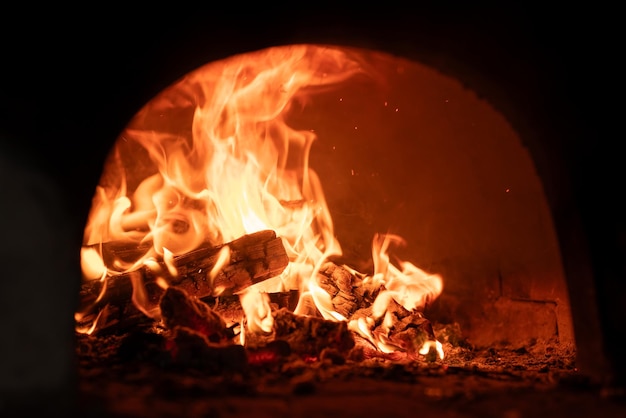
485 158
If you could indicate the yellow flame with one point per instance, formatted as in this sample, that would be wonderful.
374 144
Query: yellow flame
223 257
408 285
430 345
213 158
140 298
257 311
92 265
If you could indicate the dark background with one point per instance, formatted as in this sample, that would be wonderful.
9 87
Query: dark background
72 77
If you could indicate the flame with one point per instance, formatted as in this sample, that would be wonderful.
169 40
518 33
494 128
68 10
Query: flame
212 158
410 286
258 312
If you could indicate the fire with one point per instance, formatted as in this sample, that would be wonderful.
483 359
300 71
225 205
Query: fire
213 158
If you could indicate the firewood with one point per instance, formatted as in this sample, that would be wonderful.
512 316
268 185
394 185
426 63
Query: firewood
271 354
348 291
412 332
364 350
253 258
410 327
112 319
409 332
309 336
230 309
178 309
191 349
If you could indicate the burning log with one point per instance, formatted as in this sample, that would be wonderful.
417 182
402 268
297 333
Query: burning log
347 289
412 332
271 354
252 258
310 336
180 310
409 332
338 283
189 348
230 309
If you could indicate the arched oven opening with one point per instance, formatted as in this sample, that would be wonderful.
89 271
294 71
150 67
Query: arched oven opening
435 145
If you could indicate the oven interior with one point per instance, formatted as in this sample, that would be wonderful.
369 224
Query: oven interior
480 169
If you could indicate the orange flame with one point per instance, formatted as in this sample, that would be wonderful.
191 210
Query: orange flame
212 158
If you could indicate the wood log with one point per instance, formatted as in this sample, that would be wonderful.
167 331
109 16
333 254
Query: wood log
348 291
191 349
230 309
411 332
178 309
309 336
252 258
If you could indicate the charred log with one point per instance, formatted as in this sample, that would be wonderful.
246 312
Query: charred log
412 332
251 259
310 336
178 309
191 349
349 291
273 353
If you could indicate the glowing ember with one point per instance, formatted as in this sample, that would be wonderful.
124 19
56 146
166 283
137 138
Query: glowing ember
212 159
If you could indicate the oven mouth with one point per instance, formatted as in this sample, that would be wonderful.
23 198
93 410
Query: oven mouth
417 151
549 99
